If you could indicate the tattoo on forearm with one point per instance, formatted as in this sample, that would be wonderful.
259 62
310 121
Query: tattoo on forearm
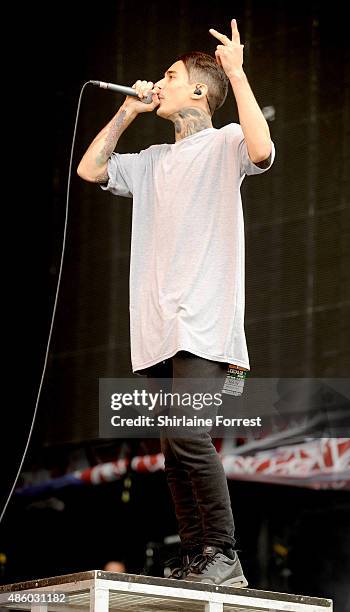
111 139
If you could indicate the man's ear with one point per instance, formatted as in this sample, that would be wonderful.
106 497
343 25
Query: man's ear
200 90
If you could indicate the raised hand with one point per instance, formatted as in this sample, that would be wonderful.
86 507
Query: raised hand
229 55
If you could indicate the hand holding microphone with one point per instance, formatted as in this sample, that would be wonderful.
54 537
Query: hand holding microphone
148 98
145 92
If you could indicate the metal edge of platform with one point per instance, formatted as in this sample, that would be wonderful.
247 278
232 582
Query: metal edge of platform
182 585
51 581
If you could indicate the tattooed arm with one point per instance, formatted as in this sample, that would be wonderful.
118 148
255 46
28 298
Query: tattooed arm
93 165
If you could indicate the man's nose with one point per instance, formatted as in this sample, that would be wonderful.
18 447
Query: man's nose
159 83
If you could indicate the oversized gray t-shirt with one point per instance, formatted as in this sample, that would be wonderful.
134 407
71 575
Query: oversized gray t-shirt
187 245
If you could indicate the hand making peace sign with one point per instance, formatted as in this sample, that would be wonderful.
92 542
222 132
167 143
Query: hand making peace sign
229 55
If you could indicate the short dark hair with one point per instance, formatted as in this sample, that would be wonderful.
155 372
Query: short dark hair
203 67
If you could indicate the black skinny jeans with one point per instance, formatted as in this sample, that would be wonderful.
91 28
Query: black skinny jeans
194 471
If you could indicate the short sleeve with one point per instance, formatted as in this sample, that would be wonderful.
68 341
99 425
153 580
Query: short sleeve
236 136
121 169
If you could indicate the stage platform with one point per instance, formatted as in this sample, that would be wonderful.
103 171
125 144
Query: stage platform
100 591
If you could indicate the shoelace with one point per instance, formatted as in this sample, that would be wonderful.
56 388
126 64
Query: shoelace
201 562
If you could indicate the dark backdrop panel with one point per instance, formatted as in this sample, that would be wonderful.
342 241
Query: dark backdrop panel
297 214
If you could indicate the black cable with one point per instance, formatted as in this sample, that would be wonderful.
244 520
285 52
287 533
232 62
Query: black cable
54 307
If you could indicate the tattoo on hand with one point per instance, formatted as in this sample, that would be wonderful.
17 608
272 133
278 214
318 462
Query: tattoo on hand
111 139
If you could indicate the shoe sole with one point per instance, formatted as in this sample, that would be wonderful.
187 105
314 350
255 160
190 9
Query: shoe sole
239 582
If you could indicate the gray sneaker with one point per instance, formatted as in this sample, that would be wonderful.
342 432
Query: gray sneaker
213 567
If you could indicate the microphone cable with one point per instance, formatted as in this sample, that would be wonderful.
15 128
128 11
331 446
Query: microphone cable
54 306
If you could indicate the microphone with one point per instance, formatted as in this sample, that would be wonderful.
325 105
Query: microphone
127 91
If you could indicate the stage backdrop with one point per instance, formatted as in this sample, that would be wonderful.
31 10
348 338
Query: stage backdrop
296 215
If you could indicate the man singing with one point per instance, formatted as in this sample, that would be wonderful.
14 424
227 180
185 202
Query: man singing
187 269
